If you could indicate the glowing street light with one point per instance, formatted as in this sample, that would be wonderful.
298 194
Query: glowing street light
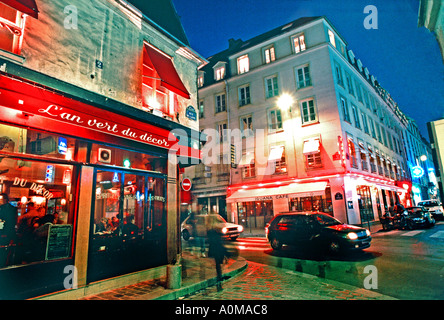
285 101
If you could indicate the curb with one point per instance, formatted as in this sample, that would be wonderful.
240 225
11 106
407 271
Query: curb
239 266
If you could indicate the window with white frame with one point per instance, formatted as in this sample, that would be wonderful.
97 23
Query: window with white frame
359 92
372 127
303 77
271 86
308 111
331 38
298 43
364 122
219 70
220 104
356 117
274 120
247 163
244 95
243 64
276 158
338 71
269 55
246 126
312 152
345 111
222 130
200 80
351 90
201 109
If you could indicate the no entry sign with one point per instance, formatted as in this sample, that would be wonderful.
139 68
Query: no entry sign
186 184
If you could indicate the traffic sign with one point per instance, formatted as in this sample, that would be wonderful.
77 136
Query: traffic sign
186 184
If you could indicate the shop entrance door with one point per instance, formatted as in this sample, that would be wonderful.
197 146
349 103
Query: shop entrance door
365 203
128 223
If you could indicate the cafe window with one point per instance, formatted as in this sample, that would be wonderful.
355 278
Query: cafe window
27 141
37 210
315 203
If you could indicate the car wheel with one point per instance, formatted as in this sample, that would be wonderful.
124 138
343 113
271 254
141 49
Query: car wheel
275 244
185 235
334 247
410 225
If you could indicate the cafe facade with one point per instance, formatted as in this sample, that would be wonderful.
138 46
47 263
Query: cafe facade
92 176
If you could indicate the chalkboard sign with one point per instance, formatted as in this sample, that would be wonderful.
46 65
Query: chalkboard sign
59 241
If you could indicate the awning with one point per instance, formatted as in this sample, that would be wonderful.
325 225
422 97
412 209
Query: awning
276 153
166 71
28 7
247 159
311 146
288 191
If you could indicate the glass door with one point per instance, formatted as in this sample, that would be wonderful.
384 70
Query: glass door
129 223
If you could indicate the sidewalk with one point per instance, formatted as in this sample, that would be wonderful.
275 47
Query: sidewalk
198 273
243 281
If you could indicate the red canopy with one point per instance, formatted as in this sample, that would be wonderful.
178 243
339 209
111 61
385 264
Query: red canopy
26 6
166 71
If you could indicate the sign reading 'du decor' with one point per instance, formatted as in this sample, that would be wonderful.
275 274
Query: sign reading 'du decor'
105 126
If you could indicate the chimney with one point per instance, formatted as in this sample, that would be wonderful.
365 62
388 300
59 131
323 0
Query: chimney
233 44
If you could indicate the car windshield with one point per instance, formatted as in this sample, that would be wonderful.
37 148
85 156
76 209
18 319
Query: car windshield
428 203
326 220
414 211
217 219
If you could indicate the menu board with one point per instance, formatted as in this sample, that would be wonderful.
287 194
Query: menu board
59 241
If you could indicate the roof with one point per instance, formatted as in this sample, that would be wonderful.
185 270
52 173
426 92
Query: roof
239 45
164 14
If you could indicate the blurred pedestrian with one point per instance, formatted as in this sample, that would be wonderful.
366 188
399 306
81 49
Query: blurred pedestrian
218 252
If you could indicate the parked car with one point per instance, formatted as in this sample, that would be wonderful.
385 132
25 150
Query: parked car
434 207
419 217
318 229
205 222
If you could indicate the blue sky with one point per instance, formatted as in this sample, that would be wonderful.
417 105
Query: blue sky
405 59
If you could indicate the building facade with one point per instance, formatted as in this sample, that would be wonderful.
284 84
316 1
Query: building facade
436 135
295 122
420 164
94 132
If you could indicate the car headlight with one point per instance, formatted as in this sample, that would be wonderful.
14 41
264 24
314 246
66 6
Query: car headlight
240 228
352 236
367 232
224 230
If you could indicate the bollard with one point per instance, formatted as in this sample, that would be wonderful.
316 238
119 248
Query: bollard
174 276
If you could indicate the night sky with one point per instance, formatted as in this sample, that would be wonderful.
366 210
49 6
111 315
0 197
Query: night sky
405 59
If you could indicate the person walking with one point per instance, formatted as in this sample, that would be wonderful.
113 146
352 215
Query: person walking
218 252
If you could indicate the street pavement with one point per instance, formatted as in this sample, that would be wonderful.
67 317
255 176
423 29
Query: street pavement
244 281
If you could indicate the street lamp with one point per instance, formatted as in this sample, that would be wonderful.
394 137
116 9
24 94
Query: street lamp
285 101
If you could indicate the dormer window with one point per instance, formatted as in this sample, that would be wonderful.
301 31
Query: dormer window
219 70
12 23
243 64
298 43
269 55
331 37
200 79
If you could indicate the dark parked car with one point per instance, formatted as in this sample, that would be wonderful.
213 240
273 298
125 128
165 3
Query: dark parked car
419 217
321 230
